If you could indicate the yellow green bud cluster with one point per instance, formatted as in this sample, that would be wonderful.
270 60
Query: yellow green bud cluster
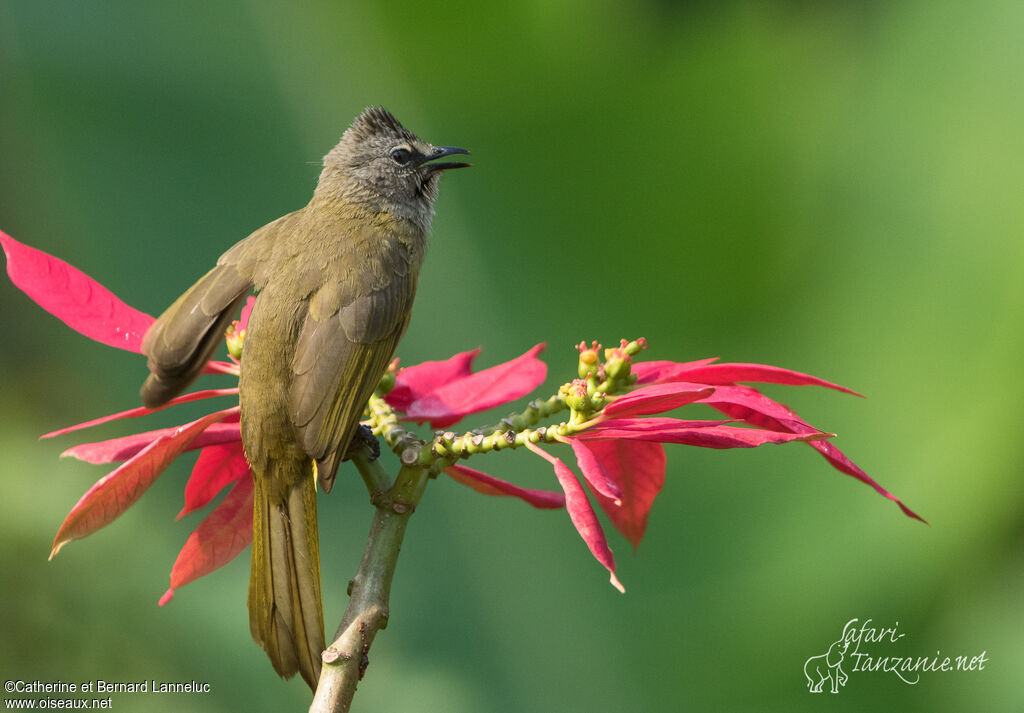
583 398
235 339
615 372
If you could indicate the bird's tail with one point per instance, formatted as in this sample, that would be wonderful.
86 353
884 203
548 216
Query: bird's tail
285 609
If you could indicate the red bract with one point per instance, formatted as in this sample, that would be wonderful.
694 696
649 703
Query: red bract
710 434
623 462
416 382
140 411
656 399
221 535
118 490
219 538
444 392
73 297
89 308
126 447
594 472
216 467
638 469
489 485
705 371
621 455
747 404
582 515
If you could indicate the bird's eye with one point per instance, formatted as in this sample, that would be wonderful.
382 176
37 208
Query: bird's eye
401 156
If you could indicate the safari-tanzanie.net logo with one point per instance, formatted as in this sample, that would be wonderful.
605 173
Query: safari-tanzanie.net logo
864 649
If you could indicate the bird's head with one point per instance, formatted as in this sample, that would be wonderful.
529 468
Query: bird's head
384 166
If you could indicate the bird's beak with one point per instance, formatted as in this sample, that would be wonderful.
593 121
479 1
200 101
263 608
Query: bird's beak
440 152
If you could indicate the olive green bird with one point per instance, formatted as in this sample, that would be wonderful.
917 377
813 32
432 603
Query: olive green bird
335 282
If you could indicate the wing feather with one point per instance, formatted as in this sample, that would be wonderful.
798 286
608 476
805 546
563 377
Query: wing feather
339 359
183 339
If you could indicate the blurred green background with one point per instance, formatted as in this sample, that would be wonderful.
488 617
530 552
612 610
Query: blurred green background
831 187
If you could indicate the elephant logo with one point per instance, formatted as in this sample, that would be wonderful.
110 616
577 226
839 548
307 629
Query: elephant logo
827 666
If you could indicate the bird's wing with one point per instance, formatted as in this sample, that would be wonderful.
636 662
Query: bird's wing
183 339
346 341
253 257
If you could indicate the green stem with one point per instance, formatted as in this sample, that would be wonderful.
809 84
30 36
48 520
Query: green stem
345 660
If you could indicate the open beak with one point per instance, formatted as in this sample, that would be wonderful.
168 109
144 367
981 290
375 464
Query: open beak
441 152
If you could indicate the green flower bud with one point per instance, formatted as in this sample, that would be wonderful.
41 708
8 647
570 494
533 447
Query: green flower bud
590 361
577 397
235 339
387 382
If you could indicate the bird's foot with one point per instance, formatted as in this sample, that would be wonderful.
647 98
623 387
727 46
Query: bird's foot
364 438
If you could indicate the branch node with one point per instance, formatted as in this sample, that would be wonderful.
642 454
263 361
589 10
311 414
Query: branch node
331 655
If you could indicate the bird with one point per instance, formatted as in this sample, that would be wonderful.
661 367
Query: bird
335 283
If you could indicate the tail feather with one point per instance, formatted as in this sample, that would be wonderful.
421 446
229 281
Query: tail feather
285 610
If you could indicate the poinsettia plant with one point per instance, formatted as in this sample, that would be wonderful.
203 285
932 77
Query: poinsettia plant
608 418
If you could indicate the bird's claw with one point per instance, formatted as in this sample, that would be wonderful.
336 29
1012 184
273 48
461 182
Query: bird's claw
363 438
